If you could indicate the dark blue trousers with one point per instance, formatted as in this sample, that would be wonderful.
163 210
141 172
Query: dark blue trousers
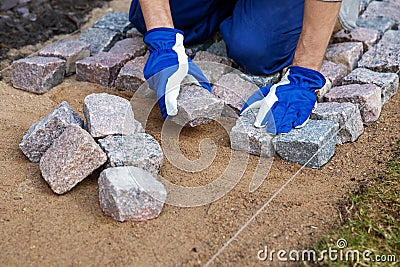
260 35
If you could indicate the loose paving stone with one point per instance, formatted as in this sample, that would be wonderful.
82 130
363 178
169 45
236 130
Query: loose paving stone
367 36
69 50
37 74
334 72
140 150
116 21
72 157
324 90
218 48
367 96
132 33
100 40
347 115
108 115
261 80
234 90
378 23
347 54
130 194
102 68
247 138
42 134
382 58
196 106
391 37
385 9
388 82
212 66
131 75
193 49
364 4
130 47
316 139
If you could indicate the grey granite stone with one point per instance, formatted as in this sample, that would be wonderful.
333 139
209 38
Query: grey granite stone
102 68
333 71
72 157
37 74
116 21
140 150
347 115
131 75
247 138
382 58
130 47
312 145
261 80
100 40
347 54
130 194
218 48
388 82
42 134
69 50
367 96
391 37
364 4
378 23
385 9
196 106
234 90
108 115
367 36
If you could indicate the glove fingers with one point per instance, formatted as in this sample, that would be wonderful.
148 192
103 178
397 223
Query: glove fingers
303 116
262 119
198 75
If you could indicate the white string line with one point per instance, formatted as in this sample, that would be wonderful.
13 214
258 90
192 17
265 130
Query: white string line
251 219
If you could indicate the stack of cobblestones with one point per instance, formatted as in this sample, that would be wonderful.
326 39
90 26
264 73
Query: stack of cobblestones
110 141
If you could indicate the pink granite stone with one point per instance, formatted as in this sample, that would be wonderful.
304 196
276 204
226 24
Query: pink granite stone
334 72
196 106
103 68
367 36
388 82
37 74
69 50
108 115
133 33
347 54
131 75
72 157
130 47
130 194
234 90
367 96
207 56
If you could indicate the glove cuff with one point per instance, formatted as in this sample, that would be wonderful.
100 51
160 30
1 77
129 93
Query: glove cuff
161 38
306 78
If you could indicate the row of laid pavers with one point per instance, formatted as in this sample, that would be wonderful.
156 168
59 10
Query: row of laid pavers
358 93
110 141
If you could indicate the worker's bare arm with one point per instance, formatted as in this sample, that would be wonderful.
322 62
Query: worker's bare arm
156 13
318 23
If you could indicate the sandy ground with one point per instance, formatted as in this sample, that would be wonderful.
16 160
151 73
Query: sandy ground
39 227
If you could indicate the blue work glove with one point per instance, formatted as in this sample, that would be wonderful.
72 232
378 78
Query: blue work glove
287 104
167 66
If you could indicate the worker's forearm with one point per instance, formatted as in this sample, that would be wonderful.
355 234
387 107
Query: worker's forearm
156 13
318 23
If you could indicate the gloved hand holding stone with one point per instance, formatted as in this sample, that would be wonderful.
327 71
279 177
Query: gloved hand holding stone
287 104
167 66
